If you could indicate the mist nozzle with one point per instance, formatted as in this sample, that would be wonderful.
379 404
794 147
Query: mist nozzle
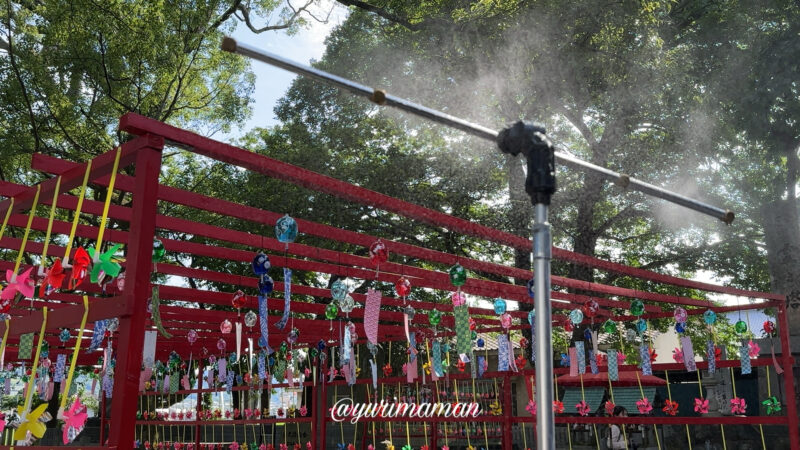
531 141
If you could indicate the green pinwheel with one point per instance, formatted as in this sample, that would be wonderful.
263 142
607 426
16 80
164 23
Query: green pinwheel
772 404
103 263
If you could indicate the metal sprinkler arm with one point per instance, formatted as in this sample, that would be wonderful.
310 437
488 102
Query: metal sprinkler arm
382 98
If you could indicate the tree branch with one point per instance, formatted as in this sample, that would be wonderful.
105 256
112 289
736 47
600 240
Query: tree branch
392 17
296 12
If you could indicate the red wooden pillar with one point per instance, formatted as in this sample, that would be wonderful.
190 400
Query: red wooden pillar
137 290
788 378
507 402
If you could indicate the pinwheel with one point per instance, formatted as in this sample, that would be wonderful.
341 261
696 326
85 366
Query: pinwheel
444 447
531 408
103 265
33 422
653 354
308 446
461 365
495 408
74 421
564 360
235 446
369 447
521 361
22 283
424 447
303 411
753 349
387 370
54 277
620 358
558 407
609 407
284 447
772 404
406 447
677 355
701 405
427 368
738 405
670 407
602 359
583 408
644 406
80 266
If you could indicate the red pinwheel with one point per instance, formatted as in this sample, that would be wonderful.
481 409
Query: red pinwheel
602 359
677 355
80 267
54 278
738 405
701 405
653 354
583 408
644 406
521 361
387 370
558 407
74 420
21 283
717 353
461 365
670 407
609 406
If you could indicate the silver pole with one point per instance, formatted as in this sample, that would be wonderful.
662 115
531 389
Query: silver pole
382 98
542 253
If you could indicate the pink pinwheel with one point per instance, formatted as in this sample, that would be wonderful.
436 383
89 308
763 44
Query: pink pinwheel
284 447
303 411
610 408
753 349
677 355
74 420
2 422
644 406
308 446
369 447
21 283
531 408
620 358
701 405
234 446
738 405
444 447
583 408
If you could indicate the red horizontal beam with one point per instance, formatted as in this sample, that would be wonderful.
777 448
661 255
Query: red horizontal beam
136 124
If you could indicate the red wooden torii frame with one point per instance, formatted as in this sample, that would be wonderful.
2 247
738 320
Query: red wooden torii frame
144 151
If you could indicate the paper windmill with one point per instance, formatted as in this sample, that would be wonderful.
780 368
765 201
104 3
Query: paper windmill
387 370
753 349
677 355
564 360
33 422
609 407
496 409
644 406
74 421
54 277
670 407
234 446
2 422
406 447
738 405
531 408
558 407
772 404
583 408
104 264
653 354
22 284
80 266
701 405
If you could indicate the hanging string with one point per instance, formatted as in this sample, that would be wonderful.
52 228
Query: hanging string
7 216
355 428
669 395
78 208
31 213
419 401
104 218
594 426
624 430
29 394
65 393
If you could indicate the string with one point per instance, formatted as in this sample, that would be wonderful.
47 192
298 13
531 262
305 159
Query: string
27 232
594 426
78 208
352 397
3 345
101 230
32 378
75 353
624 430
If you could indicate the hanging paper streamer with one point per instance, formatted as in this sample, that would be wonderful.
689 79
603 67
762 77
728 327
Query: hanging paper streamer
229 382
533 340
711 356
262 321
352 368
744 357
149 349
473 368
347 344
573 362
644 353
593 362
374 368
164 385
222 365
25 346
97 335
502 353
412 346
778 368
108 386
287 297
464 344
61 363
436 350
411 371
481 362
688 354
372 311
262 365
581 353
174 383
